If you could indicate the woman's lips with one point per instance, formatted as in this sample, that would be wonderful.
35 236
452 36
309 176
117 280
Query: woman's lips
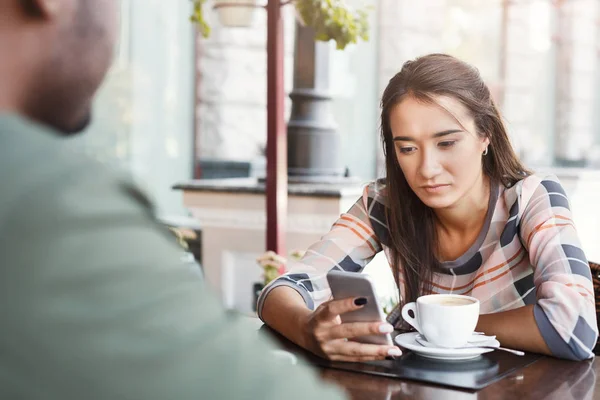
435 188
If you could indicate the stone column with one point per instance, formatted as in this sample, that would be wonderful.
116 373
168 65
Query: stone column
313 139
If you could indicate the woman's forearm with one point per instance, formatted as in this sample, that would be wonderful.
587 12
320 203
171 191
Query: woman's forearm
285 311
515 329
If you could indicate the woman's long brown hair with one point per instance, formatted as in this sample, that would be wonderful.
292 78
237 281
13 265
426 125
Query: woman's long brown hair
411 223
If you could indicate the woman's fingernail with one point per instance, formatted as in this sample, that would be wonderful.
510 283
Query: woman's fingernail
386 328
395 352
360 301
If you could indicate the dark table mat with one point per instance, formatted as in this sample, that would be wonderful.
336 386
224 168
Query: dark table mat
469 375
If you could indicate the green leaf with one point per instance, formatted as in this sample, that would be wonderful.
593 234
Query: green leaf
331 20
334 20
198 18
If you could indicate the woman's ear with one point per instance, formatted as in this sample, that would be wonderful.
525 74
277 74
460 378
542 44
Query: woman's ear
486 142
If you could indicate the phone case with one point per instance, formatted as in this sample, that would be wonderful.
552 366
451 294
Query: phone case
353 284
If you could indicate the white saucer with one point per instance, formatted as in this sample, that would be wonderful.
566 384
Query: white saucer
408 341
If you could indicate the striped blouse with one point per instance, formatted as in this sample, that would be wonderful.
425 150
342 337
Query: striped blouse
528 252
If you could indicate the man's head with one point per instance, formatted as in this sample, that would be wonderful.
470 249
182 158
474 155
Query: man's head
54 55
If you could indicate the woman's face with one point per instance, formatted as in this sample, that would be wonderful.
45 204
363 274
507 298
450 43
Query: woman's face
438 149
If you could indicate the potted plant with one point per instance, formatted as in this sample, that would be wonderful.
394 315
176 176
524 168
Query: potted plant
273 266
235 12
187 257
331 19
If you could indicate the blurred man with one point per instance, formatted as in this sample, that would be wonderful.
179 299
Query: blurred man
94 301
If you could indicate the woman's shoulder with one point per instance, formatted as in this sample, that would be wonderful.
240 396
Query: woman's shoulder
535 184
375 199
376 191
534 180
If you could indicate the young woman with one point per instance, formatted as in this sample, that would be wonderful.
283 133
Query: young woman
456 213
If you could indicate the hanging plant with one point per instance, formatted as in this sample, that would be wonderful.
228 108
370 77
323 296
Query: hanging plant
331 19
198 18
334 20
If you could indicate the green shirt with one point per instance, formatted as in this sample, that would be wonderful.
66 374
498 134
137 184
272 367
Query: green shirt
95 302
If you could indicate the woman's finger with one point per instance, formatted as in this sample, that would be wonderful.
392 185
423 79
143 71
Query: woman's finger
334 308
348 349
355 329
336 357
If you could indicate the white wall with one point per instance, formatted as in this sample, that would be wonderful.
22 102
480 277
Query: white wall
144 111
355 91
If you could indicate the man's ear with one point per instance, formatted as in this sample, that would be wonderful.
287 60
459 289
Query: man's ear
42 8
31 7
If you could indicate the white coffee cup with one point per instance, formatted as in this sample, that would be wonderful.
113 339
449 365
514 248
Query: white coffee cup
446 320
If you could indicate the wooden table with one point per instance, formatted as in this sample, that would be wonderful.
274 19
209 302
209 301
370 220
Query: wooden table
546 378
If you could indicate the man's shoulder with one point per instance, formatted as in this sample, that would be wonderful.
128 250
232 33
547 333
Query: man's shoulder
38 168
30 152
20 135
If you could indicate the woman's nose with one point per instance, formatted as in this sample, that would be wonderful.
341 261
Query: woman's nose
430 165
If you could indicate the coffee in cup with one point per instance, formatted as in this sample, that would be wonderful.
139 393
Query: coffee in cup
445 320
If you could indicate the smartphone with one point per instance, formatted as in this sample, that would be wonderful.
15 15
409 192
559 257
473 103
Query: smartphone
353 284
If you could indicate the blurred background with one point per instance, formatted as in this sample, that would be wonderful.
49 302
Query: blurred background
177 106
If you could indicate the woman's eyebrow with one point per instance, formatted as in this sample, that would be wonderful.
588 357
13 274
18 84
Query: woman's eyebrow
435 135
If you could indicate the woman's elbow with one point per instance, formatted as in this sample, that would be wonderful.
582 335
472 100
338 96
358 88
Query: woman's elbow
582 343
572 338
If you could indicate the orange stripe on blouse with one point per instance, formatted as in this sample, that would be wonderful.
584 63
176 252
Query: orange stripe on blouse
481 274
356 221
582 287
541 227
490 280
499 275
365 239
587 298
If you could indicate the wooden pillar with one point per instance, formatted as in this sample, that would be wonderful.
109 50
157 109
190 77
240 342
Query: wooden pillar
276 190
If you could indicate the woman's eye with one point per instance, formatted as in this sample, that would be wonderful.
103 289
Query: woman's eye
406 150
447 144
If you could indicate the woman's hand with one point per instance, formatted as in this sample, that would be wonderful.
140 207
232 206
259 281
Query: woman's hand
326 336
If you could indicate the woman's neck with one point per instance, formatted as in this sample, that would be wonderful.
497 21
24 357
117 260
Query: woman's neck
468 214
